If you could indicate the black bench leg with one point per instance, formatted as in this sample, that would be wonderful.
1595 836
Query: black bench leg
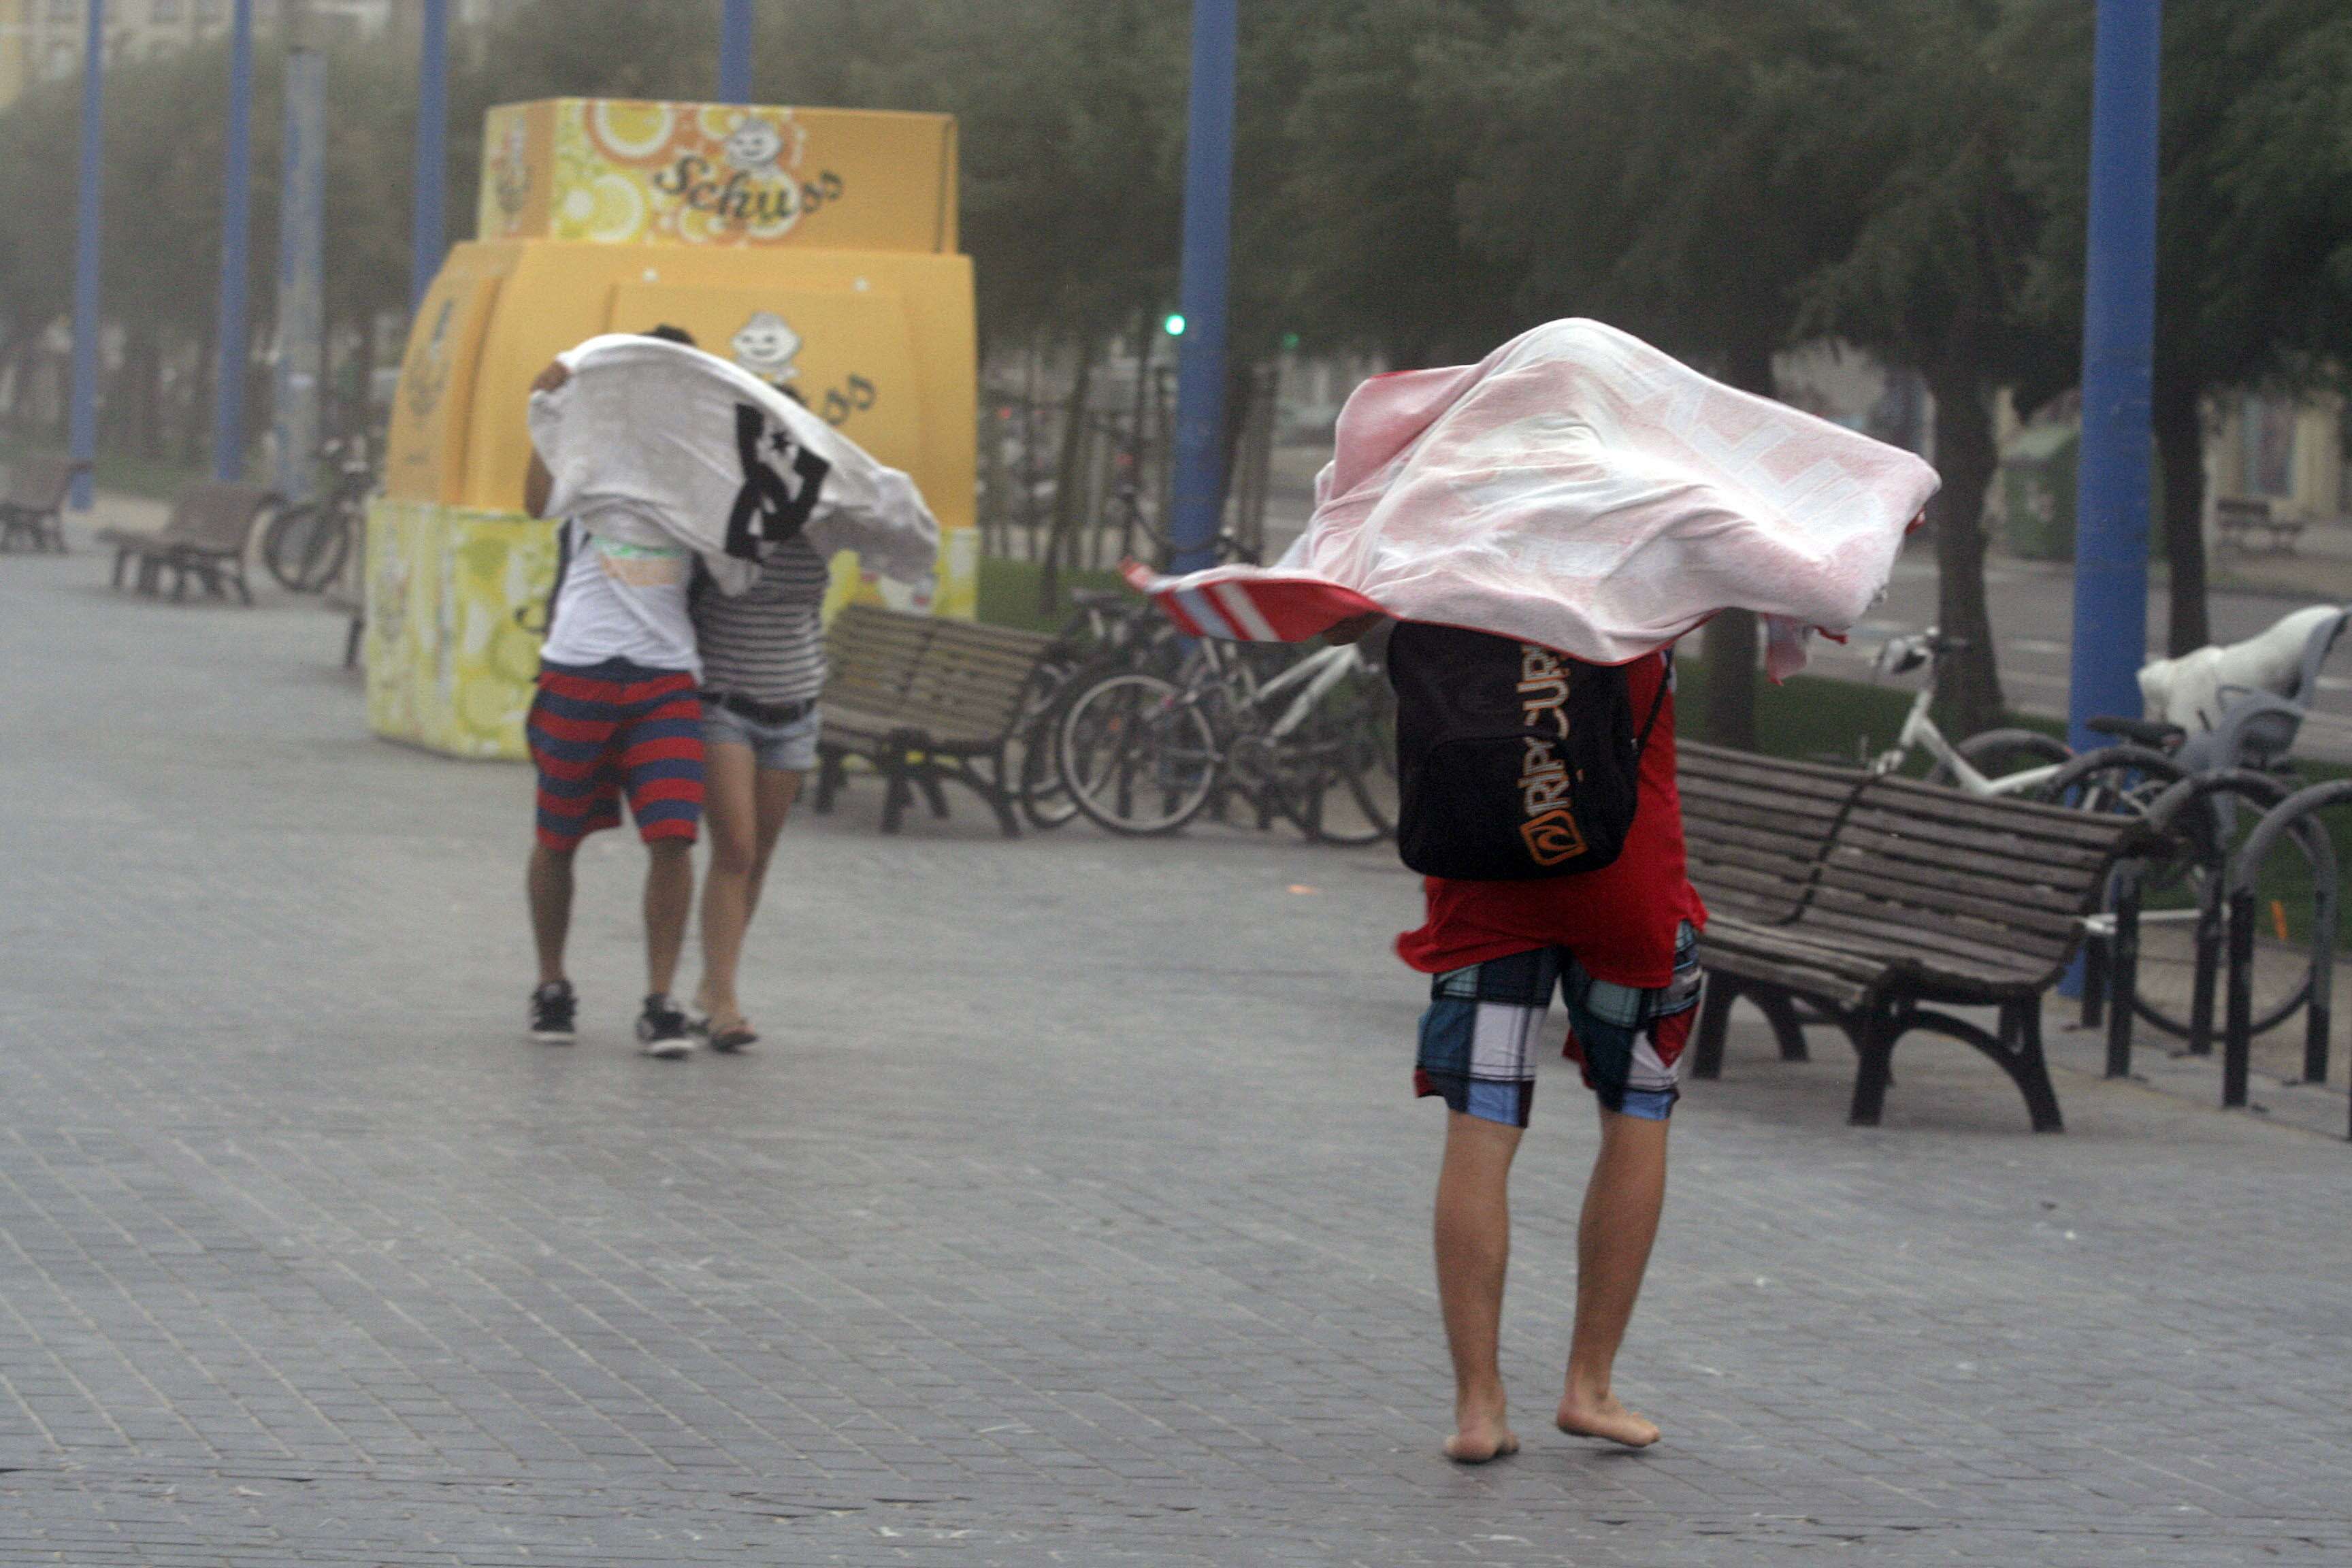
1787 1029
897 792
121 560
999 796
928 781
351 641
828 778
1875 1034
2021 1029
1714 1021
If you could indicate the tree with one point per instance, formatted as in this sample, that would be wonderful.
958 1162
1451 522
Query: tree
1656 162
1369 212
1931 112
2255 222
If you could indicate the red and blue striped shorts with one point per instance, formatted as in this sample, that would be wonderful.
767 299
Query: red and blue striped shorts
610 729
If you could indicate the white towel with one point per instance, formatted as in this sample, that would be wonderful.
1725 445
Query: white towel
1580 490
652 442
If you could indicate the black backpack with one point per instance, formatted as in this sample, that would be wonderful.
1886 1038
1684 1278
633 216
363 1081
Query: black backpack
1515 762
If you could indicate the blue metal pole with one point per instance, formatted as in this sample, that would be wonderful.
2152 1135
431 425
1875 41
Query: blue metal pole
428 224
1200 479
301 272
735 53
82 433
230 355
2118 344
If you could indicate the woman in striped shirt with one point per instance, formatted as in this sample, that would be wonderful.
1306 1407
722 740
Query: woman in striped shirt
762 668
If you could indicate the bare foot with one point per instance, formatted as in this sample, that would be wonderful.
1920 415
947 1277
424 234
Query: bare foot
1480 1435
1605 1417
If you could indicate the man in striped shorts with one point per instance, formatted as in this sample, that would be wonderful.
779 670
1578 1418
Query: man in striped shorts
616 715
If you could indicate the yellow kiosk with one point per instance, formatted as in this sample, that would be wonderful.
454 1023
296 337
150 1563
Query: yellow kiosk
815 247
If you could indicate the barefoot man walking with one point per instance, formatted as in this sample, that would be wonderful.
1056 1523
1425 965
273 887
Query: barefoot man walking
1618 944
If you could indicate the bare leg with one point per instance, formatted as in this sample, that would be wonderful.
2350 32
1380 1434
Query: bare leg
1473 1248
669 898
728 770
548 883
747 807
776 794
1613 1250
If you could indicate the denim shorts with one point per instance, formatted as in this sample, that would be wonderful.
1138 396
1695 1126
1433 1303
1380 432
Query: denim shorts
1477 1039
776 748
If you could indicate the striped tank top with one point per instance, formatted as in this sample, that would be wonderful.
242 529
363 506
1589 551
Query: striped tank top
766 643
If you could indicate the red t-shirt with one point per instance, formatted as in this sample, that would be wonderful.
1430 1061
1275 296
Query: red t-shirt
1621 919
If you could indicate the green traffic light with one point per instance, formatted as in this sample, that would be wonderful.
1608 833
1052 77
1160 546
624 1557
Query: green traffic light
1173 325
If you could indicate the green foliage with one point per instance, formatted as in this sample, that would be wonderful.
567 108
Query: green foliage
1010 593
1418 177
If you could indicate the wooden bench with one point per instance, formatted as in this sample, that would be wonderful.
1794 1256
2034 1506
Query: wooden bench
203 539
924 701
34 505
1755 829
2238 518
1917 896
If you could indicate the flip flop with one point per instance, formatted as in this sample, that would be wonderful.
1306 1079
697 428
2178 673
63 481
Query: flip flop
733 1039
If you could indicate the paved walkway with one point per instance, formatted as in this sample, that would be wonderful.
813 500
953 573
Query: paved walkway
1073 1211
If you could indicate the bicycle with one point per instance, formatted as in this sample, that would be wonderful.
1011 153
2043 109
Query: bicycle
2011 762
1111 631
1314 741
2180 896
306 546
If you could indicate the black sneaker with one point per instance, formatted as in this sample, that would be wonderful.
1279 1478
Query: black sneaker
661 1028
551 1009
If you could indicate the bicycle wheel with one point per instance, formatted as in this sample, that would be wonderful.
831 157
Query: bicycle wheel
289 539
1997 753
2288 899
321 558
1136 757
2120 779
1336 777
1044 799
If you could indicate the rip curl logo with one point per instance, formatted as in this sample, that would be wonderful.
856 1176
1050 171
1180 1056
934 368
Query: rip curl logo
1550 831
1553 839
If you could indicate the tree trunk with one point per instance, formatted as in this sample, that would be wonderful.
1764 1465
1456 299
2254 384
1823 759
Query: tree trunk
2180 447
196 407
1728 645
1970 689
144 372
1069 481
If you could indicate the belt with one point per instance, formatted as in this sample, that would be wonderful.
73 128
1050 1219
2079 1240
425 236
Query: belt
761 713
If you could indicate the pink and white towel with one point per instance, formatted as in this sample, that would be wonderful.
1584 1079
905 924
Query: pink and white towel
1580 490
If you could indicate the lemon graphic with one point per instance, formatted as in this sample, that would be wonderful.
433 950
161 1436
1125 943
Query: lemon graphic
633 130
616 209
514 653
489 712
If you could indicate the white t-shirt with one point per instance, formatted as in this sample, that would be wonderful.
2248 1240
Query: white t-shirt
623 601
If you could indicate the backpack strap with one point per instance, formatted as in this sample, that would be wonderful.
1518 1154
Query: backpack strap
563 565
1657 703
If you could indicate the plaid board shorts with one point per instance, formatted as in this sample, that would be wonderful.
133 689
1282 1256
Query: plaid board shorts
612 729
1477 1039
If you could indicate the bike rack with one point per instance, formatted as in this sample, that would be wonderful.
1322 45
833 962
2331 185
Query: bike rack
2237 1042
2120 970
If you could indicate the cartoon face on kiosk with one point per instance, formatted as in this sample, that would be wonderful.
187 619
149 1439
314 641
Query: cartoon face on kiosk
858 304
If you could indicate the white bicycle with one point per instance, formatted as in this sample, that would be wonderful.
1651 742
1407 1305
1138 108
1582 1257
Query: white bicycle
2017 762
